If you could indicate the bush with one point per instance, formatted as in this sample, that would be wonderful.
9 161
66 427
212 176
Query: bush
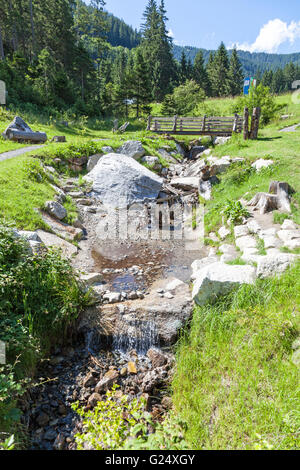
71 151
117 423
259 97
183 99
40 299
234 211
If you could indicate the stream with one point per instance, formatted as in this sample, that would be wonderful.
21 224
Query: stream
133 345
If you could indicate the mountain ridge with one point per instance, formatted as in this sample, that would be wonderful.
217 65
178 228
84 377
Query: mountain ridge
122 34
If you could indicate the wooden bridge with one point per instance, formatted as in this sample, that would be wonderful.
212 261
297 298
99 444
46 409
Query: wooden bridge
207 125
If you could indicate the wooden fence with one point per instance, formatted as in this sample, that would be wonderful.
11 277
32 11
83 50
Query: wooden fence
207 125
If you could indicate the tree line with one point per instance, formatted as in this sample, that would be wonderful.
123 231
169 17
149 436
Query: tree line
62 55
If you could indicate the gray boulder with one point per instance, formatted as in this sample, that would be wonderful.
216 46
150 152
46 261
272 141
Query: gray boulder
50 240
180 149
119 181
275 264
153 162
195 169
221 140
219 279
107 149
260 164
93 160
199 264
196 151
133 149
187 184
30 236
167 156
55 209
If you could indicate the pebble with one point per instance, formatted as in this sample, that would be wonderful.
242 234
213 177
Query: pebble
168 295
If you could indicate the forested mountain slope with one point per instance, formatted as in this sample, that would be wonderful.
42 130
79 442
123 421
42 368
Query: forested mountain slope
251 62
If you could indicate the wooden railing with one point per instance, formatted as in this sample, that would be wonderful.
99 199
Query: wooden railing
206 125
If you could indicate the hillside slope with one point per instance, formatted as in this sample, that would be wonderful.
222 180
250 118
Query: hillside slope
251 62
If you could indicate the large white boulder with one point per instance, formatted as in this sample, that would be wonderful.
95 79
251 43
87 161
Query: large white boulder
241 231
260 164
253 226
289 225
276 264
246 242
188 183
224 232
288 235
119 181
199 264
133 149
220 166
50 240
219 279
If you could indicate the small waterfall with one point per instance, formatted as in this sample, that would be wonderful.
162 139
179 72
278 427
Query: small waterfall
92 341
135 334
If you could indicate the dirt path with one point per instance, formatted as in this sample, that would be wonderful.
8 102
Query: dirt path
290 128
18 152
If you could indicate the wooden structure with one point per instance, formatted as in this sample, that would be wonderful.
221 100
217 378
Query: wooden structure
207 125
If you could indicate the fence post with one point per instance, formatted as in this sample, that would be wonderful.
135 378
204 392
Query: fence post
246 124
175 123
235 123
255 123
149 123
204 123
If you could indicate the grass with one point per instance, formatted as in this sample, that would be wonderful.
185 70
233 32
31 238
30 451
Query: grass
235 385
20 195
242 181
41 299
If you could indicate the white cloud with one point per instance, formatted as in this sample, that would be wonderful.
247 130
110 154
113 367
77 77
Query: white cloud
272 35
170 33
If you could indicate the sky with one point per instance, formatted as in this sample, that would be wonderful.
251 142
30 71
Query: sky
255 25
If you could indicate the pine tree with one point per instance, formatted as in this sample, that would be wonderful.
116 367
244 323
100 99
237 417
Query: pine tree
290 75
267 78
183 72
235 74
200 74
210 70
157 49
219 75
278 82
140 85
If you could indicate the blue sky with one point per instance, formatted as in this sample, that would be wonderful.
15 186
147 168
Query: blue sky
254 25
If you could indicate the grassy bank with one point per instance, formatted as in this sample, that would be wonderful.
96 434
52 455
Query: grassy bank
236 385
40 300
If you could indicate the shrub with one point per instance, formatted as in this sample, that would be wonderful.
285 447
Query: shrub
34 170
72 151
259 97
40 299
117 423
234 211
183 99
